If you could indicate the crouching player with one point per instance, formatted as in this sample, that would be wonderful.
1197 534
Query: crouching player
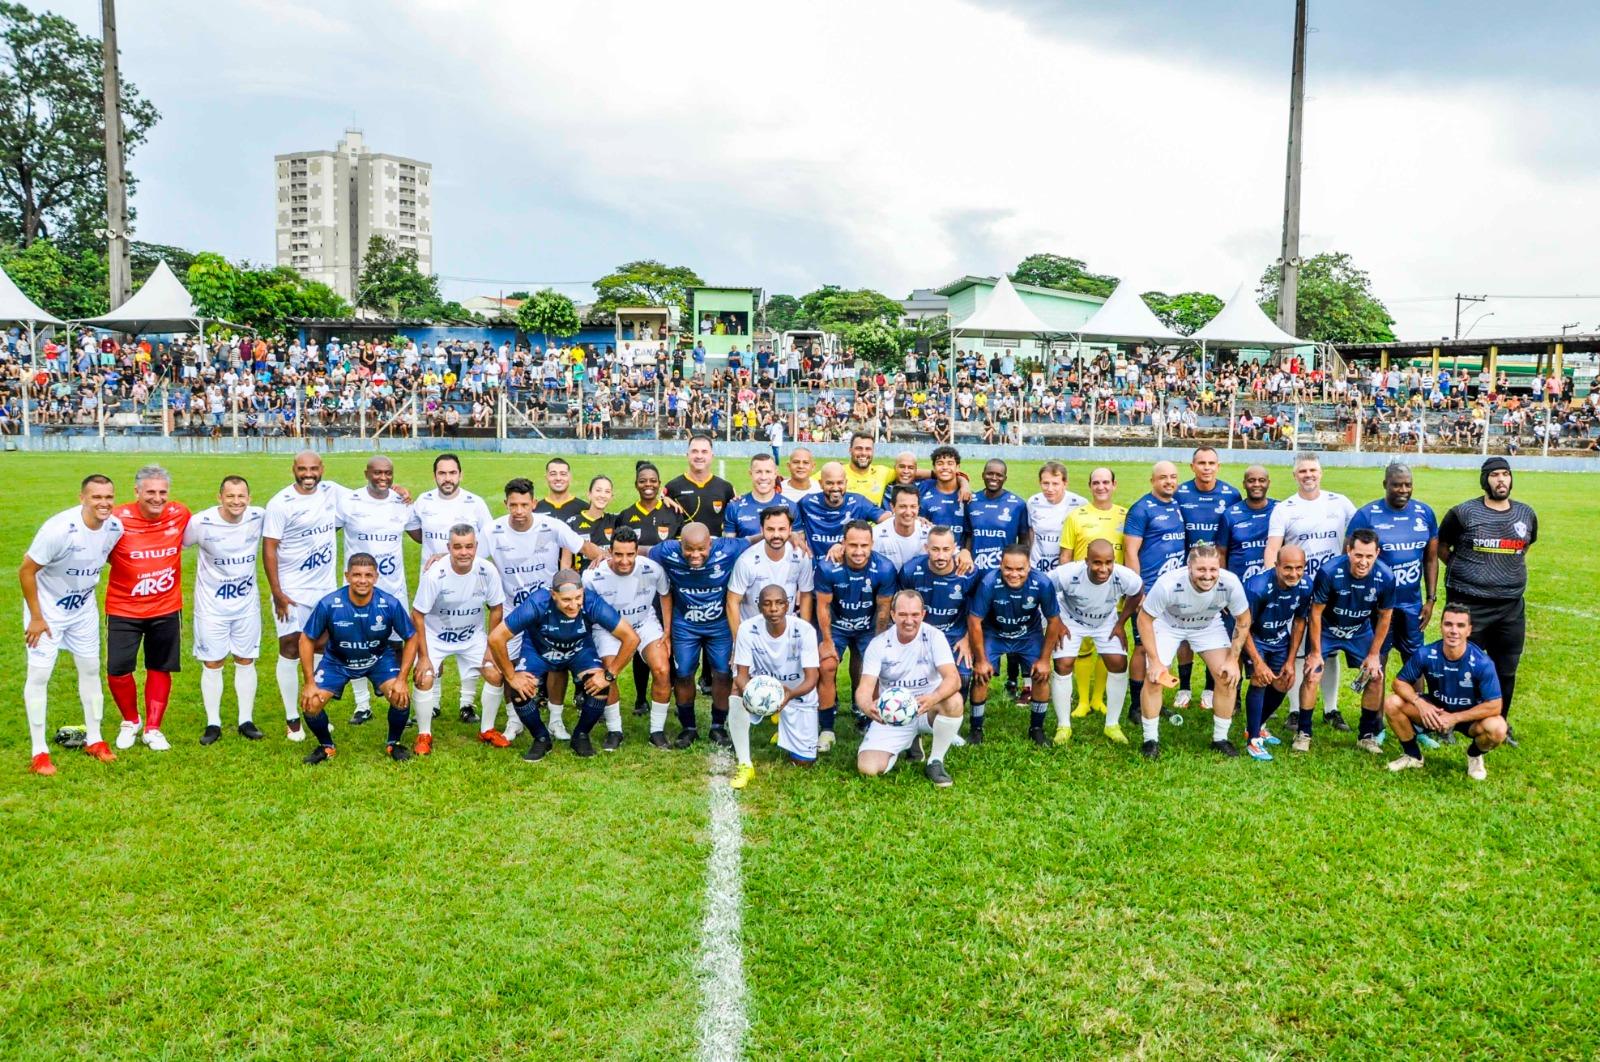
1014 612
632 585
916 657
448 609
1463 695
1089 592
350 628
1352 600
1280 602
555 628
782 646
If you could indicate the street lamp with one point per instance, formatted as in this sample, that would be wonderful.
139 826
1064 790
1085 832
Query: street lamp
1474 324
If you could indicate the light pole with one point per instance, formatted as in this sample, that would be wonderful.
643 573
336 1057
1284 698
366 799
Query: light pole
1474 324
119 273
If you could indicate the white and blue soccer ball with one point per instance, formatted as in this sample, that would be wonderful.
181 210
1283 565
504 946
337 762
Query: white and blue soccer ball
898 706
763 695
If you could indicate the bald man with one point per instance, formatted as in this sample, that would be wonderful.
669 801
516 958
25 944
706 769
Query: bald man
823 515
798 484
1154 542
374 519
698 568
1280 604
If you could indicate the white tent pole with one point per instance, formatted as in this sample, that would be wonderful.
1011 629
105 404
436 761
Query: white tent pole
1202 363
1161 420
1092 404
1547 408
1230 421
166 408
27 381
100 410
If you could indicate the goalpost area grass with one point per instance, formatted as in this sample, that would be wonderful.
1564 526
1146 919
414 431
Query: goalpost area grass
227 902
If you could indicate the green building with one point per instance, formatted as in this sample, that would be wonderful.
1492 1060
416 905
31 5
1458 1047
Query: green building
1061 311
722 319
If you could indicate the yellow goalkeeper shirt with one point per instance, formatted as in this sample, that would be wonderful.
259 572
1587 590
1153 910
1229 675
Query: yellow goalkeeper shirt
1086 523
869 484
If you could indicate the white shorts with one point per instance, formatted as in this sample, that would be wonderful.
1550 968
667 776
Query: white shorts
1072 644
219 637
797 731
79 635
298 614
473 650
605 643
1213 636
894 740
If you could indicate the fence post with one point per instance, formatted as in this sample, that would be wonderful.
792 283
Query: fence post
1230 421
100 409
727 416
1422 428
299 413
235 401
1547 407
1488 425
361 412
500 416
1297 443
413 414
1361 424
1161 421
166 412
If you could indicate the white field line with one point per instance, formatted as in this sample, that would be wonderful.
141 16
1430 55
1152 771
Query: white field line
1578 612
722 1000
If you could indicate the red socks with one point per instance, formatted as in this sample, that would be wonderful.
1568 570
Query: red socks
157 690
125 691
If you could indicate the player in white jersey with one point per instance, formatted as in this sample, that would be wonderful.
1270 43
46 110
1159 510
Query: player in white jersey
227 602
905 535
1315 520
779 644
633 585
299 546
1047 515
916 657
374 518
452 596
59 575
1097 596
776 560
436 511
1185 607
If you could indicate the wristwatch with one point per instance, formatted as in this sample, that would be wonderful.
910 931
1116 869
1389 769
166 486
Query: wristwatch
610 678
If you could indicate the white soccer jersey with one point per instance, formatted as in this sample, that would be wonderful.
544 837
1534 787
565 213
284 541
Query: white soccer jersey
1046 521
633 596
452 603
897 547
754 571
225 571
306 527
70 557
1088 606
1175 602
914 664
796 495
1316 525
529 559
434 515
784 657
377 526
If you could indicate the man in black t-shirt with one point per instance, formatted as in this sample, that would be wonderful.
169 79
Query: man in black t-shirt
1484 545
559 500
702 496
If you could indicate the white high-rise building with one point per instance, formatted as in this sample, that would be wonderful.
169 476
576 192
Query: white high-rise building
331 203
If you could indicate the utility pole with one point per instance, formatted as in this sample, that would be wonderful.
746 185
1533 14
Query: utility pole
116 230
1460 298
1289 261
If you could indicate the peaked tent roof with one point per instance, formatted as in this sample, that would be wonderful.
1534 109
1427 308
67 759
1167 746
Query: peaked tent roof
15 306
1242 324
1124 317
1003 313
161 305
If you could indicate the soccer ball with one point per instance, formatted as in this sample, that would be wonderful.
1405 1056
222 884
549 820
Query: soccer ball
762 696
898 706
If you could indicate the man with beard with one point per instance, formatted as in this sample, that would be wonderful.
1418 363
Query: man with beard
374 519
559 501
1408 542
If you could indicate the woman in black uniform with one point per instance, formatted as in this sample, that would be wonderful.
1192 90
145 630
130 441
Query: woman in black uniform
655 521
592 521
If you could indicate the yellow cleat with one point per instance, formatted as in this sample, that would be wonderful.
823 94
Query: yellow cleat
1115 735
1063 735
773 740
1082 710
1098 706
742 776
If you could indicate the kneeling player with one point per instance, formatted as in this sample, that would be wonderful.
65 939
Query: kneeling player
1088 592
1280 600
782 646
448 609
1014 612
1463 695
632 585
916 657
351 628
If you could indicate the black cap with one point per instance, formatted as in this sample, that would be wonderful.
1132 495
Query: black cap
1493 464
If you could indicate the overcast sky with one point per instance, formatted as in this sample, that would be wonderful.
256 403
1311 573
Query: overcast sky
1449 147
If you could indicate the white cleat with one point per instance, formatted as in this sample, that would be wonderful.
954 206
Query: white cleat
1302 743
1475 768
1405 763
157 741
1208 700
127 734
825 741
1371 745
296 733
1181 701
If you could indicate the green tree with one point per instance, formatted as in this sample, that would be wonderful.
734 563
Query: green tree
520 296
52 153
1335 303
548 313
1186 312
261 298
391 283
71 286
1068 274
880 343
783 313
645 283
834 309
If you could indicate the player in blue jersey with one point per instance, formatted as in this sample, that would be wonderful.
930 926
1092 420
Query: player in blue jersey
946 591
1204 500
1408 541
1014 611
556 628
1244 525
351 628
823 515
742 518
698 568
1463 695
1351 602
852 607
945 497
996 518
1280 608
1155 541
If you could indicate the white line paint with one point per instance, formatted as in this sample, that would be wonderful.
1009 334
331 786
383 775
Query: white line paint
1578 612
722 1001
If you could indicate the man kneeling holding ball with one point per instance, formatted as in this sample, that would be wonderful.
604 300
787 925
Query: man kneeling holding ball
913 657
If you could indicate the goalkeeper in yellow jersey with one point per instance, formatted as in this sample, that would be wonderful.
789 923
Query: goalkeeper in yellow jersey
1100 518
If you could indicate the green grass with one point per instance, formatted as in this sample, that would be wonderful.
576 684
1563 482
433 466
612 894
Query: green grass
227 902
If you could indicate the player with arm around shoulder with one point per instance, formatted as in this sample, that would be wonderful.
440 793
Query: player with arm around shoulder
1014 612
633 585
915 657
448 609
227 602
782 646
1097 598
1280 604
1463 695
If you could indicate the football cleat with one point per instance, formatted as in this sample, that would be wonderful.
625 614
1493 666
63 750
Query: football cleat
825 741
1011 688
1257 748
1294 721
935 773
1405 763
582 746
719 736
156 740
705 687
1475 768
397 752
1335 720
493 737
1372 745
424 746
360 716
686 737
297 731
1063 736
743 775
1208 700
975 733
211 736
1150 750
641 708
1036 735
100 751
538 750
248 729
469 714
915 753
862 722
41 765
1114 734
1181 700
320 754
1302 743
1082 710
1427 740
128 734
658 739
1227 748
1268 738
1511 736
613 741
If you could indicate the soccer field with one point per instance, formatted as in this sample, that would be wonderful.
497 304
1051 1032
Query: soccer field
228 902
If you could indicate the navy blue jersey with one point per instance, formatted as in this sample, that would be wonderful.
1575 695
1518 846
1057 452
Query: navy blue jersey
1165 538
553 634
1203 510
996 523
699 595
1351 605
856 592
358 634
824 526
1403 537
1245 531
944 596
1014 614
1454 685
947 509
1274 608
742 518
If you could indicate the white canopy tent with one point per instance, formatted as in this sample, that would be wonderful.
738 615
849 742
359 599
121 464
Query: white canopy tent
1124 318
1242 324
15 306
1003 315
161 305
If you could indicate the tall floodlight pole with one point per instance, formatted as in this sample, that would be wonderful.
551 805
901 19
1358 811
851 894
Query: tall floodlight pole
116 230
1289 262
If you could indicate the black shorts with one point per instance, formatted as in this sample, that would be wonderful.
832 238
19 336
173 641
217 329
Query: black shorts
162 637
1499 628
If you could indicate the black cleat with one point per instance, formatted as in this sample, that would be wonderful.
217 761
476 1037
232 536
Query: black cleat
538 750
248 729
1511 737
1150 750
720 737
862 722
582 746
468 714
613 741
658 739
686 737
398 752
320 754
935 773
975 734
1037 736
705 687
1227 748
641 709
915 754
1294 722
1011 688
212 735
361 715
1335 720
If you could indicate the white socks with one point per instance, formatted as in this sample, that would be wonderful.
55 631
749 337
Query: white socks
739 729
492 696
1330 682
244 685
211 685
1152 728
469 682
558 725
361 693
614 717
289 687
1116 694
658 716
1219 728
34 695
945 728
426 702
1061 697
92 694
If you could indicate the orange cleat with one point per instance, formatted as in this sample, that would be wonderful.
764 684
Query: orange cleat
495 738
42 765
424 744
100 751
